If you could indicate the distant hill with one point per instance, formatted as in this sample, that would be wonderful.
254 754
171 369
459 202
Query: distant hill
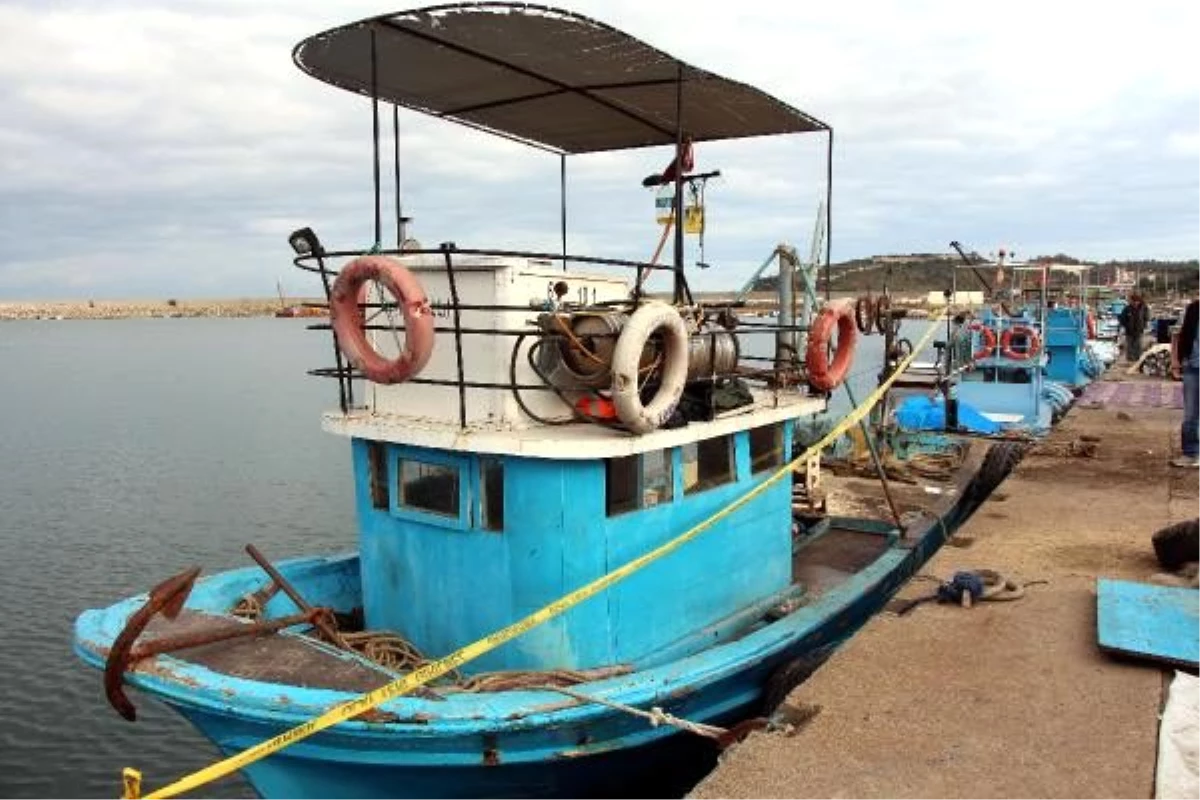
925 272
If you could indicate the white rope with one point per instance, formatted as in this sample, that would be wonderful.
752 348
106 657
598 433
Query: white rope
656 716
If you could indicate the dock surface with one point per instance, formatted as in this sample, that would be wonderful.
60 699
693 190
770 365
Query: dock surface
1004 699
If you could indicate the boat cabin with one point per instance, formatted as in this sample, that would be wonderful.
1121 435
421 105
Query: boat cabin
510 512
524 423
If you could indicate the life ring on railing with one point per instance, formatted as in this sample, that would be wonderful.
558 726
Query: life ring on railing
626 365
1091 325
822 375
864 313
987 345
346 317
1033 343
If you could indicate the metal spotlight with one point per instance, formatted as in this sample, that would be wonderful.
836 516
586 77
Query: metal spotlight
304 242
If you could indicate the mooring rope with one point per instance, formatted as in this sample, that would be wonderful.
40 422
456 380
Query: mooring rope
655 716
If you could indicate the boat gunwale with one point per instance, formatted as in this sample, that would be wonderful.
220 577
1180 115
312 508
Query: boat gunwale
509 711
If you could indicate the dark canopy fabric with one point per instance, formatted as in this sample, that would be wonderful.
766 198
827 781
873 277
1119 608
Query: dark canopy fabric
545 76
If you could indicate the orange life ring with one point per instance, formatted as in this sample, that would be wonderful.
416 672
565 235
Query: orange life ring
988 345
822 375
1033 347
346 316
864 313
1091 325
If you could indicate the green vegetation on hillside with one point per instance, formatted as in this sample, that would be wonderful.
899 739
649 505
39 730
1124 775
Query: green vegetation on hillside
925 273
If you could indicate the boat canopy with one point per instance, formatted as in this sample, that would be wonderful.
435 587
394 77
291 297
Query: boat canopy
543 76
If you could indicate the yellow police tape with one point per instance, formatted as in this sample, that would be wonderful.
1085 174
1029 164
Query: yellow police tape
419 677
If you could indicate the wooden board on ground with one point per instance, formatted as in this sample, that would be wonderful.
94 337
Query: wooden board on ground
1144 620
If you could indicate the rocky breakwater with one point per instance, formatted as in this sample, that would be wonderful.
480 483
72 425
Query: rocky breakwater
127 309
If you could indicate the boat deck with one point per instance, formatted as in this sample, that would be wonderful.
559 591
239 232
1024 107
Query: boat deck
834 557
274 658
1010 699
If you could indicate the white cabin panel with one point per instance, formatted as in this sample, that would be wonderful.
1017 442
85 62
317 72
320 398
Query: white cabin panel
482 281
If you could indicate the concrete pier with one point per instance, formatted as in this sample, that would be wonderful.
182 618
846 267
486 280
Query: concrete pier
1004 699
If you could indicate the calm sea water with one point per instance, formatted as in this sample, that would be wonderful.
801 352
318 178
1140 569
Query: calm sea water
130 450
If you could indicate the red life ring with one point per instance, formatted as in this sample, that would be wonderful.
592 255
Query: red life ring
988 345
822 375
346 315
1033 347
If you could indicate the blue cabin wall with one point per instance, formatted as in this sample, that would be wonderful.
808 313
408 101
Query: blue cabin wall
1065 337
444 583
743 558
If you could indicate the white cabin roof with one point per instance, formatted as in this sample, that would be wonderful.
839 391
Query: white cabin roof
581 440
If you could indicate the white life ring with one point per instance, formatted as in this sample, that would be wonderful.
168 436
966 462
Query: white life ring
626 362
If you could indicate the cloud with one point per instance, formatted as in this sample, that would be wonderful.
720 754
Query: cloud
151 148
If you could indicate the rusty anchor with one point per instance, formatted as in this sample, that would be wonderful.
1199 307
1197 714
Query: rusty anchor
167 598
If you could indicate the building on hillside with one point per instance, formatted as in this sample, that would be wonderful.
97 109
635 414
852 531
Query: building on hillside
911 258
960 299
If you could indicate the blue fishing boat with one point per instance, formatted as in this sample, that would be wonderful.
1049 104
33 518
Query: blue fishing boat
1014 367
590 530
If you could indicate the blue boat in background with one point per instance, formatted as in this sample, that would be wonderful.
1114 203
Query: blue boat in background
1014 368
589 531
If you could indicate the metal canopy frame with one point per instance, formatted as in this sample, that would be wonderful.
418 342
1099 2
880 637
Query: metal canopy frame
550 79
543 76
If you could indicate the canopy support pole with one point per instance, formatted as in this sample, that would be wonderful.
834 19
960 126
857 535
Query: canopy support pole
375 138
562 194
401 234
678 212
828 215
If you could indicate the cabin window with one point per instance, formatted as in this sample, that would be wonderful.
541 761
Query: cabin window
641 481
707 464
491 492
432 488
766 448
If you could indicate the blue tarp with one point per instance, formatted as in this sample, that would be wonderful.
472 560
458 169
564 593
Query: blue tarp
921 413
1148 621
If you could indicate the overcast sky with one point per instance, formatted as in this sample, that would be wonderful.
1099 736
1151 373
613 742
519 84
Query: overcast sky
157 149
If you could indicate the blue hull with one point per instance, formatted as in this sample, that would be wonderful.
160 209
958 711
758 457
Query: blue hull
602 753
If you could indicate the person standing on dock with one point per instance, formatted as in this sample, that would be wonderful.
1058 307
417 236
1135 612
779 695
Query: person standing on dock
1185 364
1133 319
961 350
